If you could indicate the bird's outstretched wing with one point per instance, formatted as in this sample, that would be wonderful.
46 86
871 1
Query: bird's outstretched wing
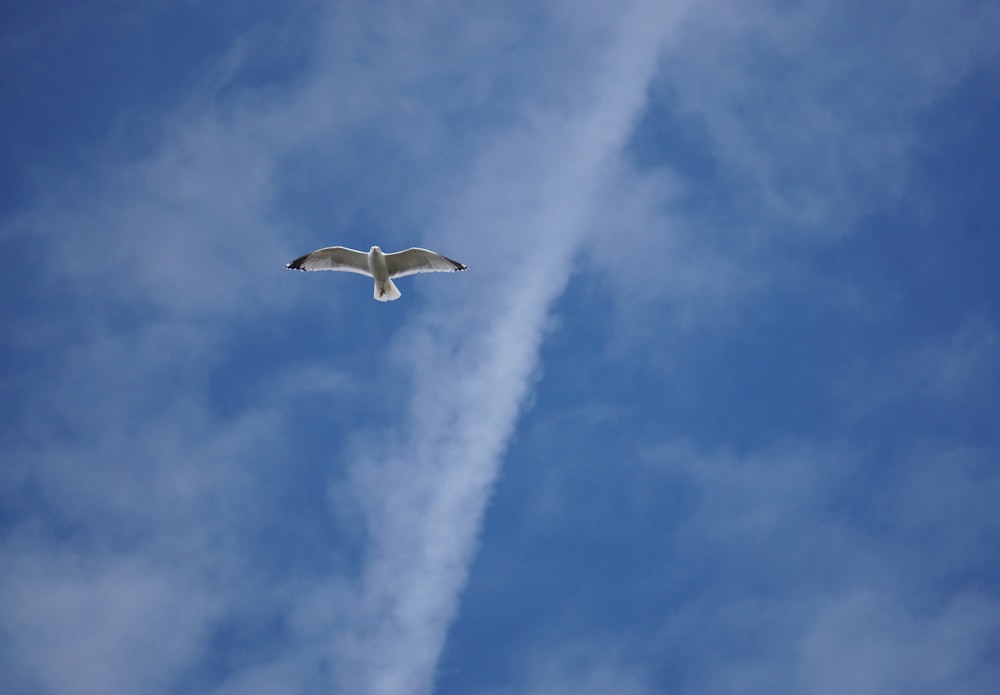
417 260
333 258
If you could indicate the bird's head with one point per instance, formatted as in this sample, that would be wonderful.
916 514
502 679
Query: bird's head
375 248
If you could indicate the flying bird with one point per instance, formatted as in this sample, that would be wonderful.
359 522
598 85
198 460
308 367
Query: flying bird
375 264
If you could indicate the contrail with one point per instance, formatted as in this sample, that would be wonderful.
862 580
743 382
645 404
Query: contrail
424 499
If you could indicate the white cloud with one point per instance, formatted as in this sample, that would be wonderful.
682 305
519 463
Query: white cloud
141 502
166 256
813 108
864 643
807 117
472 358
814 556
87 622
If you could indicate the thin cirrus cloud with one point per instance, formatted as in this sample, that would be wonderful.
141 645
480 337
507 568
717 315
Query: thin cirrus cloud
816 535
138 500
215 487
423 500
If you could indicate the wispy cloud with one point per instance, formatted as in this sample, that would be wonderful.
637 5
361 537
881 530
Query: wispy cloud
800 121
891 648
140 496
808 556
224 477
813 110
472 360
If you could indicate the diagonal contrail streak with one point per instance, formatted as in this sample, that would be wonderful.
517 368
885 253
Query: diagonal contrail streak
424 499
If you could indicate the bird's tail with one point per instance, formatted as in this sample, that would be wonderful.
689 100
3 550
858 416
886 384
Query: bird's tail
387 291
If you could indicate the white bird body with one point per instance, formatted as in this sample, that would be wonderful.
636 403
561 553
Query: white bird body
383 267
385 288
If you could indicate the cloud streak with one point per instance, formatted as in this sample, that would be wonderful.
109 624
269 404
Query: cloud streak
139 498
214 487
472 361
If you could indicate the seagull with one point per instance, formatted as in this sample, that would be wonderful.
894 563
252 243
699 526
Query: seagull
375 264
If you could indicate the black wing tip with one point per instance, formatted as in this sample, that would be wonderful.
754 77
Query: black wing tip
297 263
458 266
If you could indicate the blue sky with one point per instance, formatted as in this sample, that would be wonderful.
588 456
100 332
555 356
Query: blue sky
713 409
